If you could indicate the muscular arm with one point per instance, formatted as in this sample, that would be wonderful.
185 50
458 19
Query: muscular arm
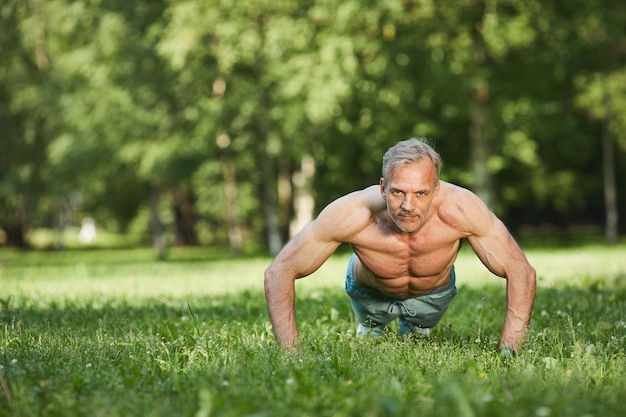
304 254
497 249
499 252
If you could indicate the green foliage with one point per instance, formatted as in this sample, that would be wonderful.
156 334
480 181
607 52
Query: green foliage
117 333
108 97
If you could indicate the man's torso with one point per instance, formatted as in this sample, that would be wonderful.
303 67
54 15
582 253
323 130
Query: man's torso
405 265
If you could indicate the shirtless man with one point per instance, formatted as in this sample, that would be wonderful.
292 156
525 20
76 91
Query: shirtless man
405 234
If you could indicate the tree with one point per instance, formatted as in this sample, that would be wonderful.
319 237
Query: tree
28 114
221 119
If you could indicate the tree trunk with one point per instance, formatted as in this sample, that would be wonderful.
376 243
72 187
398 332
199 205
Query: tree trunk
183 201
610 190
235 237
274 240
158 235
303 201
268 169
286 195
479 153
16 231
14 235
479 141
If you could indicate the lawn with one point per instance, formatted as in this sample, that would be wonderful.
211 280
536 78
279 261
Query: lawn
117 333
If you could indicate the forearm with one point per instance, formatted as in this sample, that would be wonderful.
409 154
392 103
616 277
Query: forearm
514 330
280 296
284 326
519 304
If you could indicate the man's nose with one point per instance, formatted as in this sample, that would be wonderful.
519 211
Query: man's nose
407 202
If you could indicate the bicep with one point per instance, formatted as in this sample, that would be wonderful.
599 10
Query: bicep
488 236
339 222
495 247
306 252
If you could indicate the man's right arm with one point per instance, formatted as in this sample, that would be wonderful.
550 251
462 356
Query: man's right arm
300 257
304 254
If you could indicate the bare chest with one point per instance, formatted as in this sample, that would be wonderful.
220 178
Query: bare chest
427 254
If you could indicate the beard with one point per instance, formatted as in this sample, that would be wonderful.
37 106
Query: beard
403 226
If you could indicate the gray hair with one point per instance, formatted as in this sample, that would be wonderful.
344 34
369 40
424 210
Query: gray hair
407 151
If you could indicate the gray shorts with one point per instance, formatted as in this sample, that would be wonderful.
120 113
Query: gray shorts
375 309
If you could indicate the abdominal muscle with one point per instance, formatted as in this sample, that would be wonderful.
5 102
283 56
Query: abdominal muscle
397 279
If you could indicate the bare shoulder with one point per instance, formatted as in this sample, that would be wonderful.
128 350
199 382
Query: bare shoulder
463 210
350 214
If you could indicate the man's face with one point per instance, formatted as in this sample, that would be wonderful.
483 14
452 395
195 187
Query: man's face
409 194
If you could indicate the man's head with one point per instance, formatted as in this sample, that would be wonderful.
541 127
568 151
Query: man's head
408 151
410 182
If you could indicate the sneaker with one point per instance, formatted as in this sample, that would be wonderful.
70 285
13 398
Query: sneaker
406 328
363 330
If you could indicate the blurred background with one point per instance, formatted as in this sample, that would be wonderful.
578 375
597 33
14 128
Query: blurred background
230 124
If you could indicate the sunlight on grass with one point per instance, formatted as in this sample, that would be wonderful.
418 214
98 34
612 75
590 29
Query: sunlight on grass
571 266
118 333
127 274
74 275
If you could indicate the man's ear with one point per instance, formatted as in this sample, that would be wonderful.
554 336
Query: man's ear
382 189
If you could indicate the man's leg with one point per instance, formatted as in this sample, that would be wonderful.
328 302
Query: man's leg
406 328
371 307
375 331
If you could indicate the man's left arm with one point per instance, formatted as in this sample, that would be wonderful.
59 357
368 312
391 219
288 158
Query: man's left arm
501 254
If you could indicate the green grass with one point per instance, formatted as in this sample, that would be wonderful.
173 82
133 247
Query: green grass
116 333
